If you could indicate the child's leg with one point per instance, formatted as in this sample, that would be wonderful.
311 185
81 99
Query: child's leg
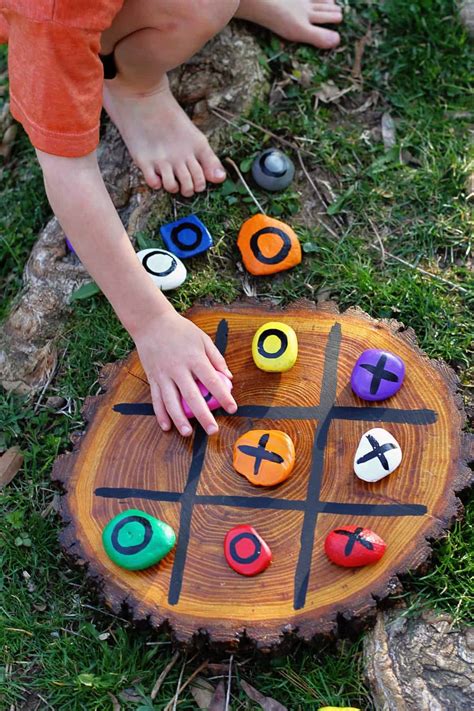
148 38
296 20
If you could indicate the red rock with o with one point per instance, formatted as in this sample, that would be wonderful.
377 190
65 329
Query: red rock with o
245 551
354 546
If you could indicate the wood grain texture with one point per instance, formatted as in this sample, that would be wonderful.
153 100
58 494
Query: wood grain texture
302 593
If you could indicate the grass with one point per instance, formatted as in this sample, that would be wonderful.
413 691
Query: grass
59 645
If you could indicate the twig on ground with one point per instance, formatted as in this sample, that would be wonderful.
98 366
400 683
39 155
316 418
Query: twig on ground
321 199
379 239
163 676
224 116
422 271
229 684
244 183
181 687
359 53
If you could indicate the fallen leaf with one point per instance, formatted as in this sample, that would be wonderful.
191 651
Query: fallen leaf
10 465
388 131
328 93
130 695
115 702
203 692
218 700
266 702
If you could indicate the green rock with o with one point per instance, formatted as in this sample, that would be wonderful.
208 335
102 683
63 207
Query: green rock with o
135 540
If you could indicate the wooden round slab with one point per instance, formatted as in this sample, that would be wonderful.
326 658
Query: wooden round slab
124 461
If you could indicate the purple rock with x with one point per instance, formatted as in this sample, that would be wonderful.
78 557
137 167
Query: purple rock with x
377 375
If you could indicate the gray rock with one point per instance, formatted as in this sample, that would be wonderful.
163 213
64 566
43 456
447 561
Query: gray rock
420 664
273 170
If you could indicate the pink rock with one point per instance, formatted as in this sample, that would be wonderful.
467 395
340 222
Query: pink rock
210 399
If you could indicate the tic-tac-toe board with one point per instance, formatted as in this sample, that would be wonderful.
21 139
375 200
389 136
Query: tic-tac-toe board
124 461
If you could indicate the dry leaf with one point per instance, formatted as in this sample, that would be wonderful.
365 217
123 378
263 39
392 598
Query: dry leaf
10 465
218 700
202 691
115 702
328 93
360 46
388 131
267 703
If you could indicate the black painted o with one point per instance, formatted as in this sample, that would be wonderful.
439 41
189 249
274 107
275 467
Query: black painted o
268 171
277 258
266 334
175 233
253 556
132 550
168 271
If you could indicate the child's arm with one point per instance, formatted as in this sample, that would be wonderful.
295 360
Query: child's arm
173 351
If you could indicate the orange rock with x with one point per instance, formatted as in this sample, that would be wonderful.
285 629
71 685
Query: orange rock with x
264 457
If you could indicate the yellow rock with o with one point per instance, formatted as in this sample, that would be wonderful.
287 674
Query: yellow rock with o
275 347
338 708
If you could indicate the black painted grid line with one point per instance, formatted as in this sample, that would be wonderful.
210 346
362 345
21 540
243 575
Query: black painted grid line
265 502
262 412
326 402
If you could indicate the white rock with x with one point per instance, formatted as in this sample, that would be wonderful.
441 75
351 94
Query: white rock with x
377 456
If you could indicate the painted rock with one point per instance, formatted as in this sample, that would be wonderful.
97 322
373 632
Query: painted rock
210 399
273 170
135 540
264 457
166 270
354 546
245 551
377 456
69 246
186 237
338 708
275 347
268 246
377 375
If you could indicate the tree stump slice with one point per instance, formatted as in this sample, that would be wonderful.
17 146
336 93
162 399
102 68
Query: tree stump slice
124 461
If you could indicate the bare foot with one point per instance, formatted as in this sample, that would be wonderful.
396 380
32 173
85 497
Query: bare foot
296 20
162 140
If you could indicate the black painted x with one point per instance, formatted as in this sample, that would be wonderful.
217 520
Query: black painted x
354 537
377 451
379 373
260 453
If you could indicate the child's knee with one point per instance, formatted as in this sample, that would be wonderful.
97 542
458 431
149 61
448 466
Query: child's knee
208 17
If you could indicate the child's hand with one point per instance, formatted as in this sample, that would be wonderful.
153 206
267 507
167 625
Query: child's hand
174 353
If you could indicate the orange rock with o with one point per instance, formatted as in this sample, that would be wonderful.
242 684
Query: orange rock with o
264 457
268 245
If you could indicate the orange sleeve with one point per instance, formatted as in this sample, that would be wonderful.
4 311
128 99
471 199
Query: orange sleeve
56 80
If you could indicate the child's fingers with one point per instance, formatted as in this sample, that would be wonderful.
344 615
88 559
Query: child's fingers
216 358
209 377
197 404
159 407
172 402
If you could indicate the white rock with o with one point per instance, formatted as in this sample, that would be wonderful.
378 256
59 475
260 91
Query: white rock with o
166 269
377 456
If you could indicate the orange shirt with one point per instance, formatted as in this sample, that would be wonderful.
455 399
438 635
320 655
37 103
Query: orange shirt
55 73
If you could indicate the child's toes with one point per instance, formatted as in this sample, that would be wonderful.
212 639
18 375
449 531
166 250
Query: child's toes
185 180
151 178
167 178
197 174
211 165
321 37
326 14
